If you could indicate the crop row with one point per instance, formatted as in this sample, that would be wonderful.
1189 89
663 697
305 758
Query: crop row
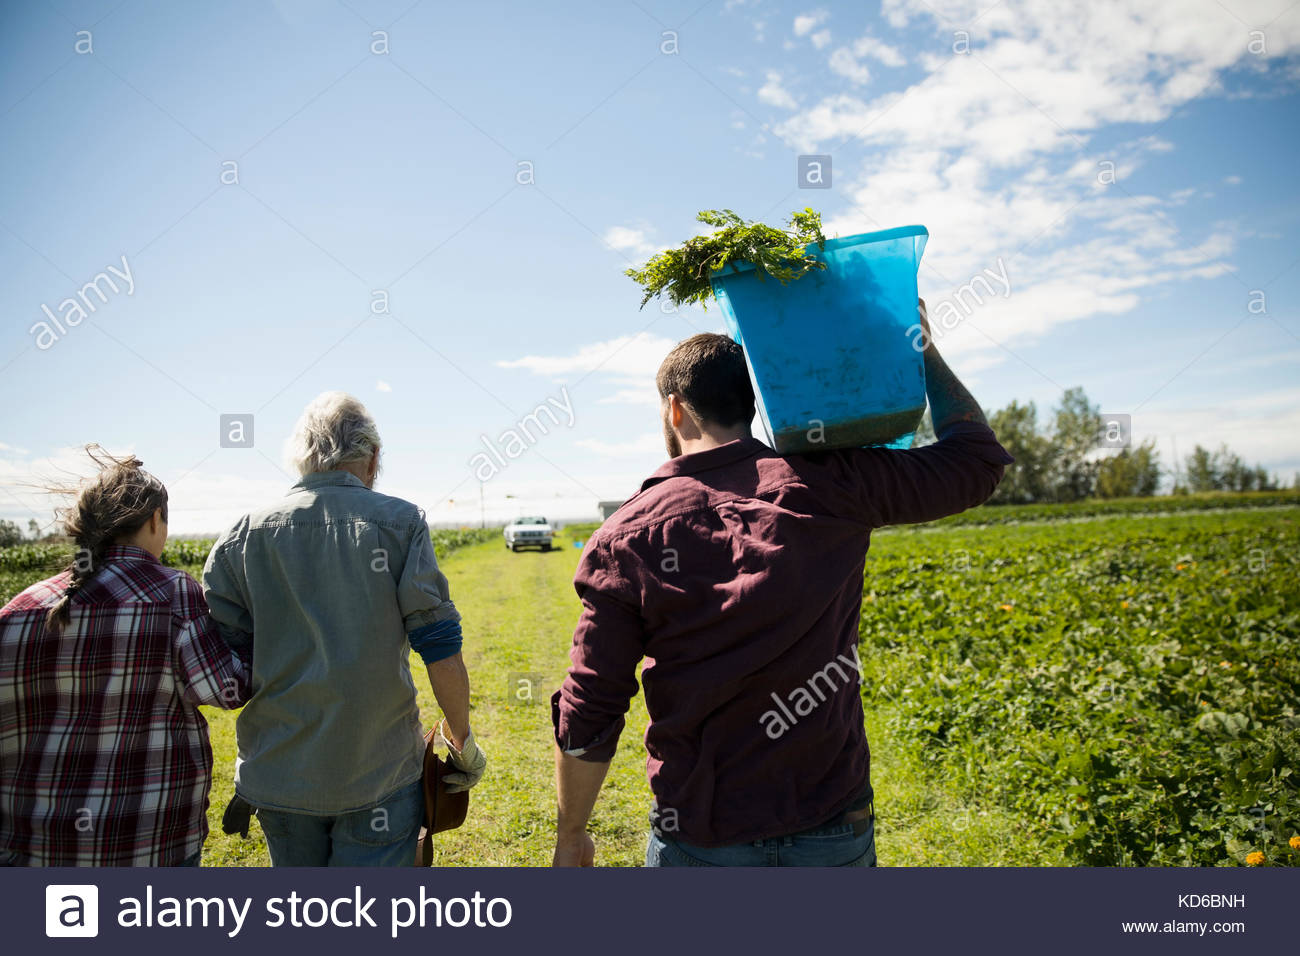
1130 690
1100 507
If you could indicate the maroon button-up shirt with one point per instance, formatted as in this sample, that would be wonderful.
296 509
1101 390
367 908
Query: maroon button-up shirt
737 574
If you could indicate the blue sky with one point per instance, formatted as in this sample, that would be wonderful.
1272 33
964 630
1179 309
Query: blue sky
492 168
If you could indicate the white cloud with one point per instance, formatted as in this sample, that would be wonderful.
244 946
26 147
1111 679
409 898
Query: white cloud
991 151
1044 71
753 148
12 448
648 444
847 61
805 23
757 20
22 480
1232 180
847 65
383 386
869 46
629 239
199 502
646 395
1266 360
202 502
628 364
632 356
820 39
1247 424
774 94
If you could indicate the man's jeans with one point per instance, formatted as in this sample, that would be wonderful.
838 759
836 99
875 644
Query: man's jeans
834 845
383 835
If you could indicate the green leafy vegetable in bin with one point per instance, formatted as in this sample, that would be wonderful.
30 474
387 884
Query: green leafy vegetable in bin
683 273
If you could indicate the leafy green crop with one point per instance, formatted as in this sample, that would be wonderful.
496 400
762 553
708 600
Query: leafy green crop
683 273
1129 689
447 540
183 552
35 557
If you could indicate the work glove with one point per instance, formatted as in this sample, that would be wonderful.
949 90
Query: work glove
469 763
237 816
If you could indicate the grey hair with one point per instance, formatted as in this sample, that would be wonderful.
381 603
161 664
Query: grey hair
334 430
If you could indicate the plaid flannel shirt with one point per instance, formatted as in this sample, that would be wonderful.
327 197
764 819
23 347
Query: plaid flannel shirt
104 756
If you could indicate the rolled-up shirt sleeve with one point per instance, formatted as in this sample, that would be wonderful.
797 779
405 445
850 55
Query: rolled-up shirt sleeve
423 596
959 471
589 710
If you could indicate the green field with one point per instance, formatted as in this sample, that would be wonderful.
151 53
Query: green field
1125 688
1110 689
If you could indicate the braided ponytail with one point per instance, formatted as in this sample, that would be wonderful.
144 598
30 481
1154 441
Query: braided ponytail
115 504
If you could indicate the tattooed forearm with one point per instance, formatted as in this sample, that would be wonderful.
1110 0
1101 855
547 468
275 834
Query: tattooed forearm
949 400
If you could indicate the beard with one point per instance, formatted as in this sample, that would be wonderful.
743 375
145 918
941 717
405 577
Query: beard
671 441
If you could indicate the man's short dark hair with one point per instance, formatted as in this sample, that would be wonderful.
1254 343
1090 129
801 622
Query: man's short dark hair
708 373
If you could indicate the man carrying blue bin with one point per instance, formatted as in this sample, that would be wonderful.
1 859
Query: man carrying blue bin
736 574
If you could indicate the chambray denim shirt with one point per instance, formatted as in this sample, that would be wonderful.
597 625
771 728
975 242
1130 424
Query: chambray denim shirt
325 586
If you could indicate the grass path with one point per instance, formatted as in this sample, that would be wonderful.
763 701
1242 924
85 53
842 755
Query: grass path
519 611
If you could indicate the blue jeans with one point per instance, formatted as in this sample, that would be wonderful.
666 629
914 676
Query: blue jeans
834 845
383 835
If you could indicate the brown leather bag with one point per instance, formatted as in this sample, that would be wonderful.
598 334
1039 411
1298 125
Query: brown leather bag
442 810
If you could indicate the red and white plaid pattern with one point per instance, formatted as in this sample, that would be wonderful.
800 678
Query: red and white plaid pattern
104 756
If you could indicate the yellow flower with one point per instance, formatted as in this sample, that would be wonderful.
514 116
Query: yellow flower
1123 603
1295 843
1224 664
1179 567
1255 859
1004 607
870 599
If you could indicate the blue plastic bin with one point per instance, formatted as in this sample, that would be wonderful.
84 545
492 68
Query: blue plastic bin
829 354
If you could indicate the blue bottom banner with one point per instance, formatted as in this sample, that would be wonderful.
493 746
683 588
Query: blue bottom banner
485 911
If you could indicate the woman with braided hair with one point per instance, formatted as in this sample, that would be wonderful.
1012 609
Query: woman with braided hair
104 755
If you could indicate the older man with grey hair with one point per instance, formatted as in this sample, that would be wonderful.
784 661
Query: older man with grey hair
332 587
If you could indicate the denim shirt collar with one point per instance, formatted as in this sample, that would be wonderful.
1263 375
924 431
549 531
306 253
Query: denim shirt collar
319 479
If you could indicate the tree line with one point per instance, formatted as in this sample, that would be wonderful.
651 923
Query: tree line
1065 458
11 534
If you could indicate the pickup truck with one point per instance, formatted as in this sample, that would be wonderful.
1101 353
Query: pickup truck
531 532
